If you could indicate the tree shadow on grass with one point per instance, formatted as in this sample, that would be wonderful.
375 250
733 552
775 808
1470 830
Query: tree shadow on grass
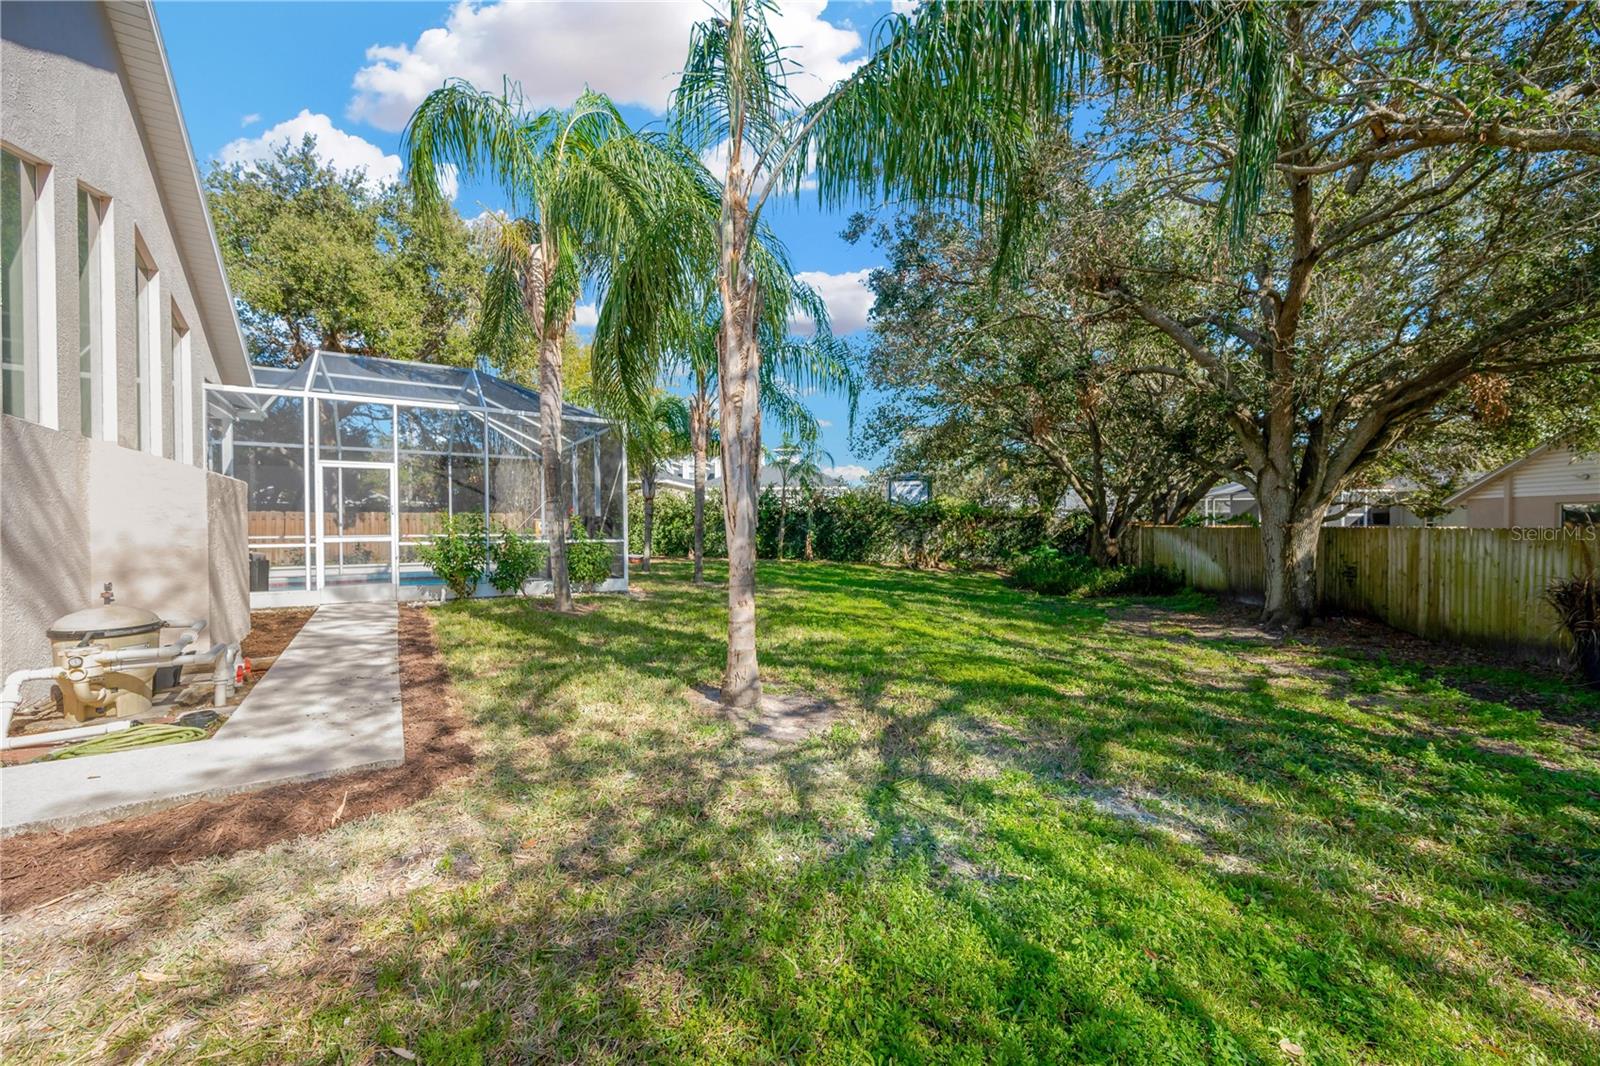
942 875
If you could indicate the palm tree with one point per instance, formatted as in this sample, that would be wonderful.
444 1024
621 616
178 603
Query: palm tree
790 366
797 460
662 433
945 108
593 203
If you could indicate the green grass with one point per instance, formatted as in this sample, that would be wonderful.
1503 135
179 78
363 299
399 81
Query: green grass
1033 835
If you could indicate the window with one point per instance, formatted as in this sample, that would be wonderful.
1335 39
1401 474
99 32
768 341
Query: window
147 384
94 325
182 391
1581 515
18 298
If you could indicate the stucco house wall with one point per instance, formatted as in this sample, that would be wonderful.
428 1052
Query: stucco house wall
80 513
66 102
75 511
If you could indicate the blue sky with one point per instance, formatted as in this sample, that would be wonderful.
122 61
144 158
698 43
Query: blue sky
253 74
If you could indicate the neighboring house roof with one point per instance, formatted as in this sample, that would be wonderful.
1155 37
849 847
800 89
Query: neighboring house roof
773 477
1492 476
155 98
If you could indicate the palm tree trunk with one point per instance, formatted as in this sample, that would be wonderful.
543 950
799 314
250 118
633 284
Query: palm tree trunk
647 489
783 512
555 468
700 438
739 369
553 453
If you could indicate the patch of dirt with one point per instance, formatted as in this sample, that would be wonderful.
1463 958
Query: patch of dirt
780 721
46 866
1363 638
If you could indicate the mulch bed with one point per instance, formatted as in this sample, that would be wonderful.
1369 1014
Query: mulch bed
271 631
37 867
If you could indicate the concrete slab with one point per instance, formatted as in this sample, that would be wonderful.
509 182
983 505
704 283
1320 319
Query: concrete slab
330 705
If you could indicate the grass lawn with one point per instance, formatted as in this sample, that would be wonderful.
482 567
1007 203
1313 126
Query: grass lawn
1034 834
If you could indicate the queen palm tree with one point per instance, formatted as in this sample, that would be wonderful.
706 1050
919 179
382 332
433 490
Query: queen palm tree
593 204
797 461
944 108
660 434
790 366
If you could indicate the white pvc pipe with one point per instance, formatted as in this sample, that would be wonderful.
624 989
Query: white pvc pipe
220 656
60 736
11 693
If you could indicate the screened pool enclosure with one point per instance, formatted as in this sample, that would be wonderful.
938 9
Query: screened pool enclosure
350 460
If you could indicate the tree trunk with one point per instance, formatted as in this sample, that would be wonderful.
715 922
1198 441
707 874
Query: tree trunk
700 436
555 472
1290 531
811 512
739 370
647 489
783 515
535 285
741 457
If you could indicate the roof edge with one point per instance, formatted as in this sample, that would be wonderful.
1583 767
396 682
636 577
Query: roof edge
213 296
1455 498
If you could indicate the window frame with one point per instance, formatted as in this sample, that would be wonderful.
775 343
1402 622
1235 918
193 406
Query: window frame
96 264
183 387
36 273
147 377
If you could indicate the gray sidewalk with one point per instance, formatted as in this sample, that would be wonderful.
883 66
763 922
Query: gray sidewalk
329 705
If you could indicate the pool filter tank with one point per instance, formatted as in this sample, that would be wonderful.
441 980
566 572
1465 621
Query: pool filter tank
90 690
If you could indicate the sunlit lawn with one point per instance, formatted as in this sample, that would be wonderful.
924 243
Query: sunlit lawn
1033 835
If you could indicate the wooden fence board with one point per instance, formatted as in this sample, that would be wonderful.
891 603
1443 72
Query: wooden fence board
1474 586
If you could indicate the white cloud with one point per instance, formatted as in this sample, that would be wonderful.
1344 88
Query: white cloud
903 7
249 120
847 296
632 52
824 423
849 472
345 151
588 316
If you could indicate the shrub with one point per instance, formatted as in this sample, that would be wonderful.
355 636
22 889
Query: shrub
516 558
1059 573
1055 573
1577 604
457 553
1147 580
588 560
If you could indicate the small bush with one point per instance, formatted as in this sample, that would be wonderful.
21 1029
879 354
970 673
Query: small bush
457 553
1577 604
516 559
1053 572
588 560
1146 580
1056 573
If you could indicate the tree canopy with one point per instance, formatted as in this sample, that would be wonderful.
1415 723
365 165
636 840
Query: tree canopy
330 259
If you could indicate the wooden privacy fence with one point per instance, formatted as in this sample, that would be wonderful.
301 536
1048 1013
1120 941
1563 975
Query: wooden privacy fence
291 525
1475 586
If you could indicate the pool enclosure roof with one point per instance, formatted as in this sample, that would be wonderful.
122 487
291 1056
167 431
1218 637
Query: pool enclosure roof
337 375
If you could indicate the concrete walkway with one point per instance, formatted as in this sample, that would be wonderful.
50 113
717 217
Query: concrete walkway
329 705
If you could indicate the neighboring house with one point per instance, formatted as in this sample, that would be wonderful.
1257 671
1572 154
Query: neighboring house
1380 506
116 310
1552 485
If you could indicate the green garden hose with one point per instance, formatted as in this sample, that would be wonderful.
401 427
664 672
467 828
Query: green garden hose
138 736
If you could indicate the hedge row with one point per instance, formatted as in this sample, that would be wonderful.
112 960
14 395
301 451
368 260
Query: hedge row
862 527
